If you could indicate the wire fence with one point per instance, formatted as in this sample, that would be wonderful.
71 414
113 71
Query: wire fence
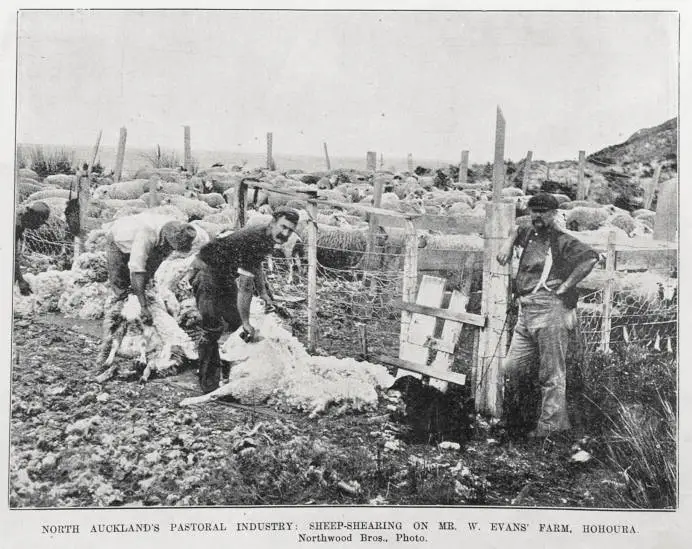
648 320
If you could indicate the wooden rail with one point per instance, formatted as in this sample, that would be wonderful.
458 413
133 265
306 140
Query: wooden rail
451 377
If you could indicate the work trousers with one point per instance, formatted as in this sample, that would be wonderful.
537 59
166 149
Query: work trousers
538 352
217 301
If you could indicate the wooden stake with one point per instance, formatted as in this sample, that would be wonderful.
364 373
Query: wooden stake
527 172
410 281
499 166
464 167
371 161
270 151
581 183
378 189
120 157
312 276
608 293
410 163
381 161
154 190
83 193
651 190
95 153
326 156
496 282
241 191
187 162
363 339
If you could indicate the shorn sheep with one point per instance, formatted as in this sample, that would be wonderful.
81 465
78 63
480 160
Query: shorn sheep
277 369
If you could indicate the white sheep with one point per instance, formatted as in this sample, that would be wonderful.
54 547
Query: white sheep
26 189
191 207
124 190
50 193
582 218
215 200
226 216
61 180
623 221
28 173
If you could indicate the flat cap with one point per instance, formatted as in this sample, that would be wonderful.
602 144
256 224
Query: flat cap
543 202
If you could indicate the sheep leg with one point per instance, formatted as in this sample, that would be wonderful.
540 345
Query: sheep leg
112 368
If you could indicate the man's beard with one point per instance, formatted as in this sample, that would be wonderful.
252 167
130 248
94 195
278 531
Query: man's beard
539 225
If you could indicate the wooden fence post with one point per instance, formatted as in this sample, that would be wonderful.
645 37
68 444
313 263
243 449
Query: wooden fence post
666 221
241 191
488 379
95 153
527 172
154 190
369 259
270 151
187 162
410 163
312 276
326 156
608 293
83 183
464 167
581 183
410 281
120 157
371 161
499 166
651 190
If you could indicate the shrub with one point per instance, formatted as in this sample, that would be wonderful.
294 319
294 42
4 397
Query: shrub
50 162
162 159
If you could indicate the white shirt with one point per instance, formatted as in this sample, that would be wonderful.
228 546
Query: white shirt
137 235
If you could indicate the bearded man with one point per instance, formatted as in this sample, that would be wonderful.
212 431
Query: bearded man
550 267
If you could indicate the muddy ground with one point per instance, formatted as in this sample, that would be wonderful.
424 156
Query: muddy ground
76 443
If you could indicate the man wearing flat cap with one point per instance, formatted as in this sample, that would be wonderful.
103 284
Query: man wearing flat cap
550 267
137 245
224 276
28 217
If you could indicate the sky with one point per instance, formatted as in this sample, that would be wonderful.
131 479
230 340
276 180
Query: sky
425 83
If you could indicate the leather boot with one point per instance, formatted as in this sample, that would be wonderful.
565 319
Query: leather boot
209 366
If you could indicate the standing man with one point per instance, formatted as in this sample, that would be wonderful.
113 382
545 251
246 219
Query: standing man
550 267
30 217
224 276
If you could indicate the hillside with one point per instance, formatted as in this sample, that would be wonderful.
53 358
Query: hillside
657 144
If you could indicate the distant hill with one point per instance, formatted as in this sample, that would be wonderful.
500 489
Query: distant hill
658 144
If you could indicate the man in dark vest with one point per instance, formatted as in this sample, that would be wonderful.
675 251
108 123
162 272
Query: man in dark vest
224 276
